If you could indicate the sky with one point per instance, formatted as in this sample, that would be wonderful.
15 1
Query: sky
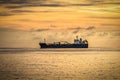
25 23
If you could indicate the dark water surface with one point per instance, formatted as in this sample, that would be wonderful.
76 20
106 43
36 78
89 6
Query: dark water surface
59 64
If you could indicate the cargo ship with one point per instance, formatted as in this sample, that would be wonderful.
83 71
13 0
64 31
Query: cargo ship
78 43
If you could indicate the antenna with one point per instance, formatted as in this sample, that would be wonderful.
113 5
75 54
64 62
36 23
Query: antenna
44 40
77 36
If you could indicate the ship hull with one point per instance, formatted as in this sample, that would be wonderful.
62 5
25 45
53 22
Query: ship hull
44 45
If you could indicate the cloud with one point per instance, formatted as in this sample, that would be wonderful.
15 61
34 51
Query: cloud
81 4
76 28
80 28
50 5
15 1
54 3
107 33
117 25
117 34
13 6
7 29
30 11
96 0
11 29
91 34
21 11
90 28
103 34
46 5
5 14
112 3
18 11
75 31
40 3
106 2
40 30
107 17
38 21
31 3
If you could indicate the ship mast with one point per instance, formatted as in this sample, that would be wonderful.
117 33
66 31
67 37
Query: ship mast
77 37
44 40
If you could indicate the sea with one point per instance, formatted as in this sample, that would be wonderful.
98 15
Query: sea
59 64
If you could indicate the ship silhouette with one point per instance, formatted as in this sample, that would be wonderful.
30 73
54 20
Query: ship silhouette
78 43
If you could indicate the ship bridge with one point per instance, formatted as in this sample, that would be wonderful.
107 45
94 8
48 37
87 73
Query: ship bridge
80 41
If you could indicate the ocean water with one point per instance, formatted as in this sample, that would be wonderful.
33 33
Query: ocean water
60 64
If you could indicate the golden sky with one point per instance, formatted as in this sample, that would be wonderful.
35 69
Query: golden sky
23 23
